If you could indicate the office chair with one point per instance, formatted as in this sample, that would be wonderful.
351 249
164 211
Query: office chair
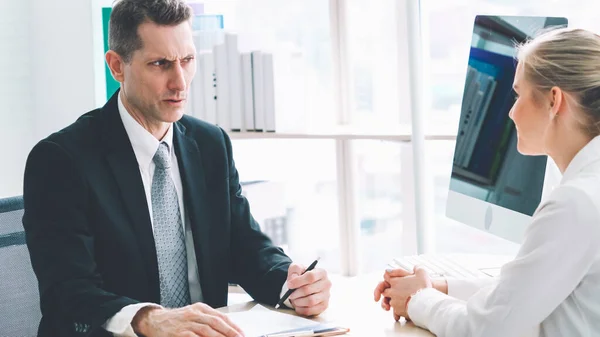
19 298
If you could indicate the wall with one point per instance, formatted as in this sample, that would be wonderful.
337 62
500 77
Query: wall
16 107
46 76
63 64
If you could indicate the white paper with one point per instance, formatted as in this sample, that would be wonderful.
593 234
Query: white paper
260 321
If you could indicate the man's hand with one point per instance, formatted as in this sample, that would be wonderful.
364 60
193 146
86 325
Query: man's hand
196 320
401 288
312 293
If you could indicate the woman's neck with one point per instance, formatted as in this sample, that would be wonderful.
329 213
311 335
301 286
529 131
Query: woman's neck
566 148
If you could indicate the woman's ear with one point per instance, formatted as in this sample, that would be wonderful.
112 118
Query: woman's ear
556 100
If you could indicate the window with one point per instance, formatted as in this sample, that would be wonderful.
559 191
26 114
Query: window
292 190
291 184
378 92
379 206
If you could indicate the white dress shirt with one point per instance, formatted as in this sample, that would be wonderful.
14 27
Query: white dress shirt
552 288
145 146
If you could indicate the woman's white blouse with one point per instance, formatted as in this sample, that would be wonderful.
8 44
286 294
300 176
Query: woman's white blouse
553 285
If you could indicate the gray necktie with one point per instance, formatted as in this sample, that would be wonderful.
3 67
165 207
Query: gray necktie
168 234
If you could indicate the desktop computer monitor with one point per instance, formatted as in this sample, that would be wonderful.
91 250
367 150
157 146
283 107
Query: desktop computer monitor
493 187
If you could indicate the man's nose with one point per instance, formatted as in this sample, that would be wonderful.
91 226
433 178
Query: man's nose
177 78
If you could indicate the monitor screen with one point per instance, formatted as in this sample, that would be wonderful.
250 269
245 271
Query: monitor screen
493 187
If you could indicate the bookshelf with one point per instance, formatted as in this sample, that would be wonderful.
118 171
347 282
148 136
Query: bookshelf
397 134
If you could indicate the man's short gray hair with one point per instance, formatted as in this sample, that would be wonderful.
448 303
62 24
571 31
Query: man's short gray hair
128 15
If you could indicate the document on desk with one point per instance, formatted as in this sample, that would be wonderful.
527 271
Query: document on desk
260 321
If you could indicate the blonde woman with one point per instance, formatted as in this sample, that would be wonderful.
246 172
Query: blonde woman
553 286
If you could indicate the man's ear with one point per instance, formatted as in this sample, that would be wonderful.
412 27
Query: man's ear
116 65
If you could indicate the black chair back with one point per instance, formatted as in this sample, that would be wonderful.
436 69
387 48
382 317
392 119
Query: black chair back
19 297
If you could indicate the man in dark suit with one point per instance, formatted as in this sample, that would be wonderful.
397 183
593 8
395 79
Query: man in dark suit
134 216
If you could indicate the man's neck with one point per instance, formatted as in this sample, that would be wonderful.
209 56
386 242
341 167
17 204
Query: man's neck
157 129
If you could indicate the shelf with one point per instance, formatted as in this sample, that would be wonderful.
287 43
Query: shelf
397 134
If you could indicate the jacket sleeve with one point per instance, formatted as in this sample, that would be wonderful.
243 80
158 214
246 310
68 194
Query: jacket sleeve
61 244
257 265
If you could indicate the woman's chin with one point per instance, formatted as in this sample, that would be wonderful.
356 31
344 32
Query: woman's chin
526 150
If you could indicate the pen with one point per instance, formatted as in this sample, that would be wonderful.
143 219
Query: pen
293 334
290 291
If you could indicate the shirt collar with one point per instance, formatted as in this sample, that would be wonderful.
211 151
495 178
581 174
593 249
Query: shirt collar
143 142
589 154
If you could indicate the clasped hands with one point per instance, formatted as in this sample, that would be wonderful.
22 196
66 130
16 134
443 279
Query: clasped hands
398 286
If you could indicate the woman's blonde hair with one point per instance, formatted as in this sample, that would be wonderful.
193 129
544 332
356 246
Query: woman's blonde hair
569 59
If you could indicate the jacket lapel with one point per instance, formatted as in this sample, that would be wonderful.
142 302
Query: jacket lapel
124 167
196 196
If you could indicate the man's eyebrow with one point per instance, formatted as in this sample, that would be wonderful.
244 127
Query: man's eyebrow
162 58
158 59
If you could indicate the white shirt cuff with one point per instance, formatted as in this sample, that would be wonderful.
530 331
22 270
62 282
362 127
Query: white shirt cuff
287 302
120 324
463 289
420 305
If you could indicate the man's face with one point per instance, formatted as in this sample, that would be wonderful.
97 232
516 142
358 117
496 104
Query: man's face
157 79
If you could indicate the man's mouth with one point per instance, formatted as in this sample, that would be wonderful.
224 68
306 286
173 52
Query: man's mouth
175 102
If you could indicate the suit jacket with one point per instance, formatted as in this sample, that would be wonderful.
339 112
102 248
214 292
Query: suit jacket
89 232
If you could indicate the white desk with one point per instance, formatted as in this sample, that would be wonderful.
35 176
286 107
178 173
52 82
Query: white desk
351 306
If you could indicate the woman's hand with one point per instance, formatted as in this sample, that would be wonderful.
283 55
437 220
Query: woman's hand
383 285
402 288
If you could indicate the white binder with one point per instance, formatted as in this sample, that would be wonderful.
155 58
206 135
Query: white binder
269 92
259 92
235 82
223 92
247 93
